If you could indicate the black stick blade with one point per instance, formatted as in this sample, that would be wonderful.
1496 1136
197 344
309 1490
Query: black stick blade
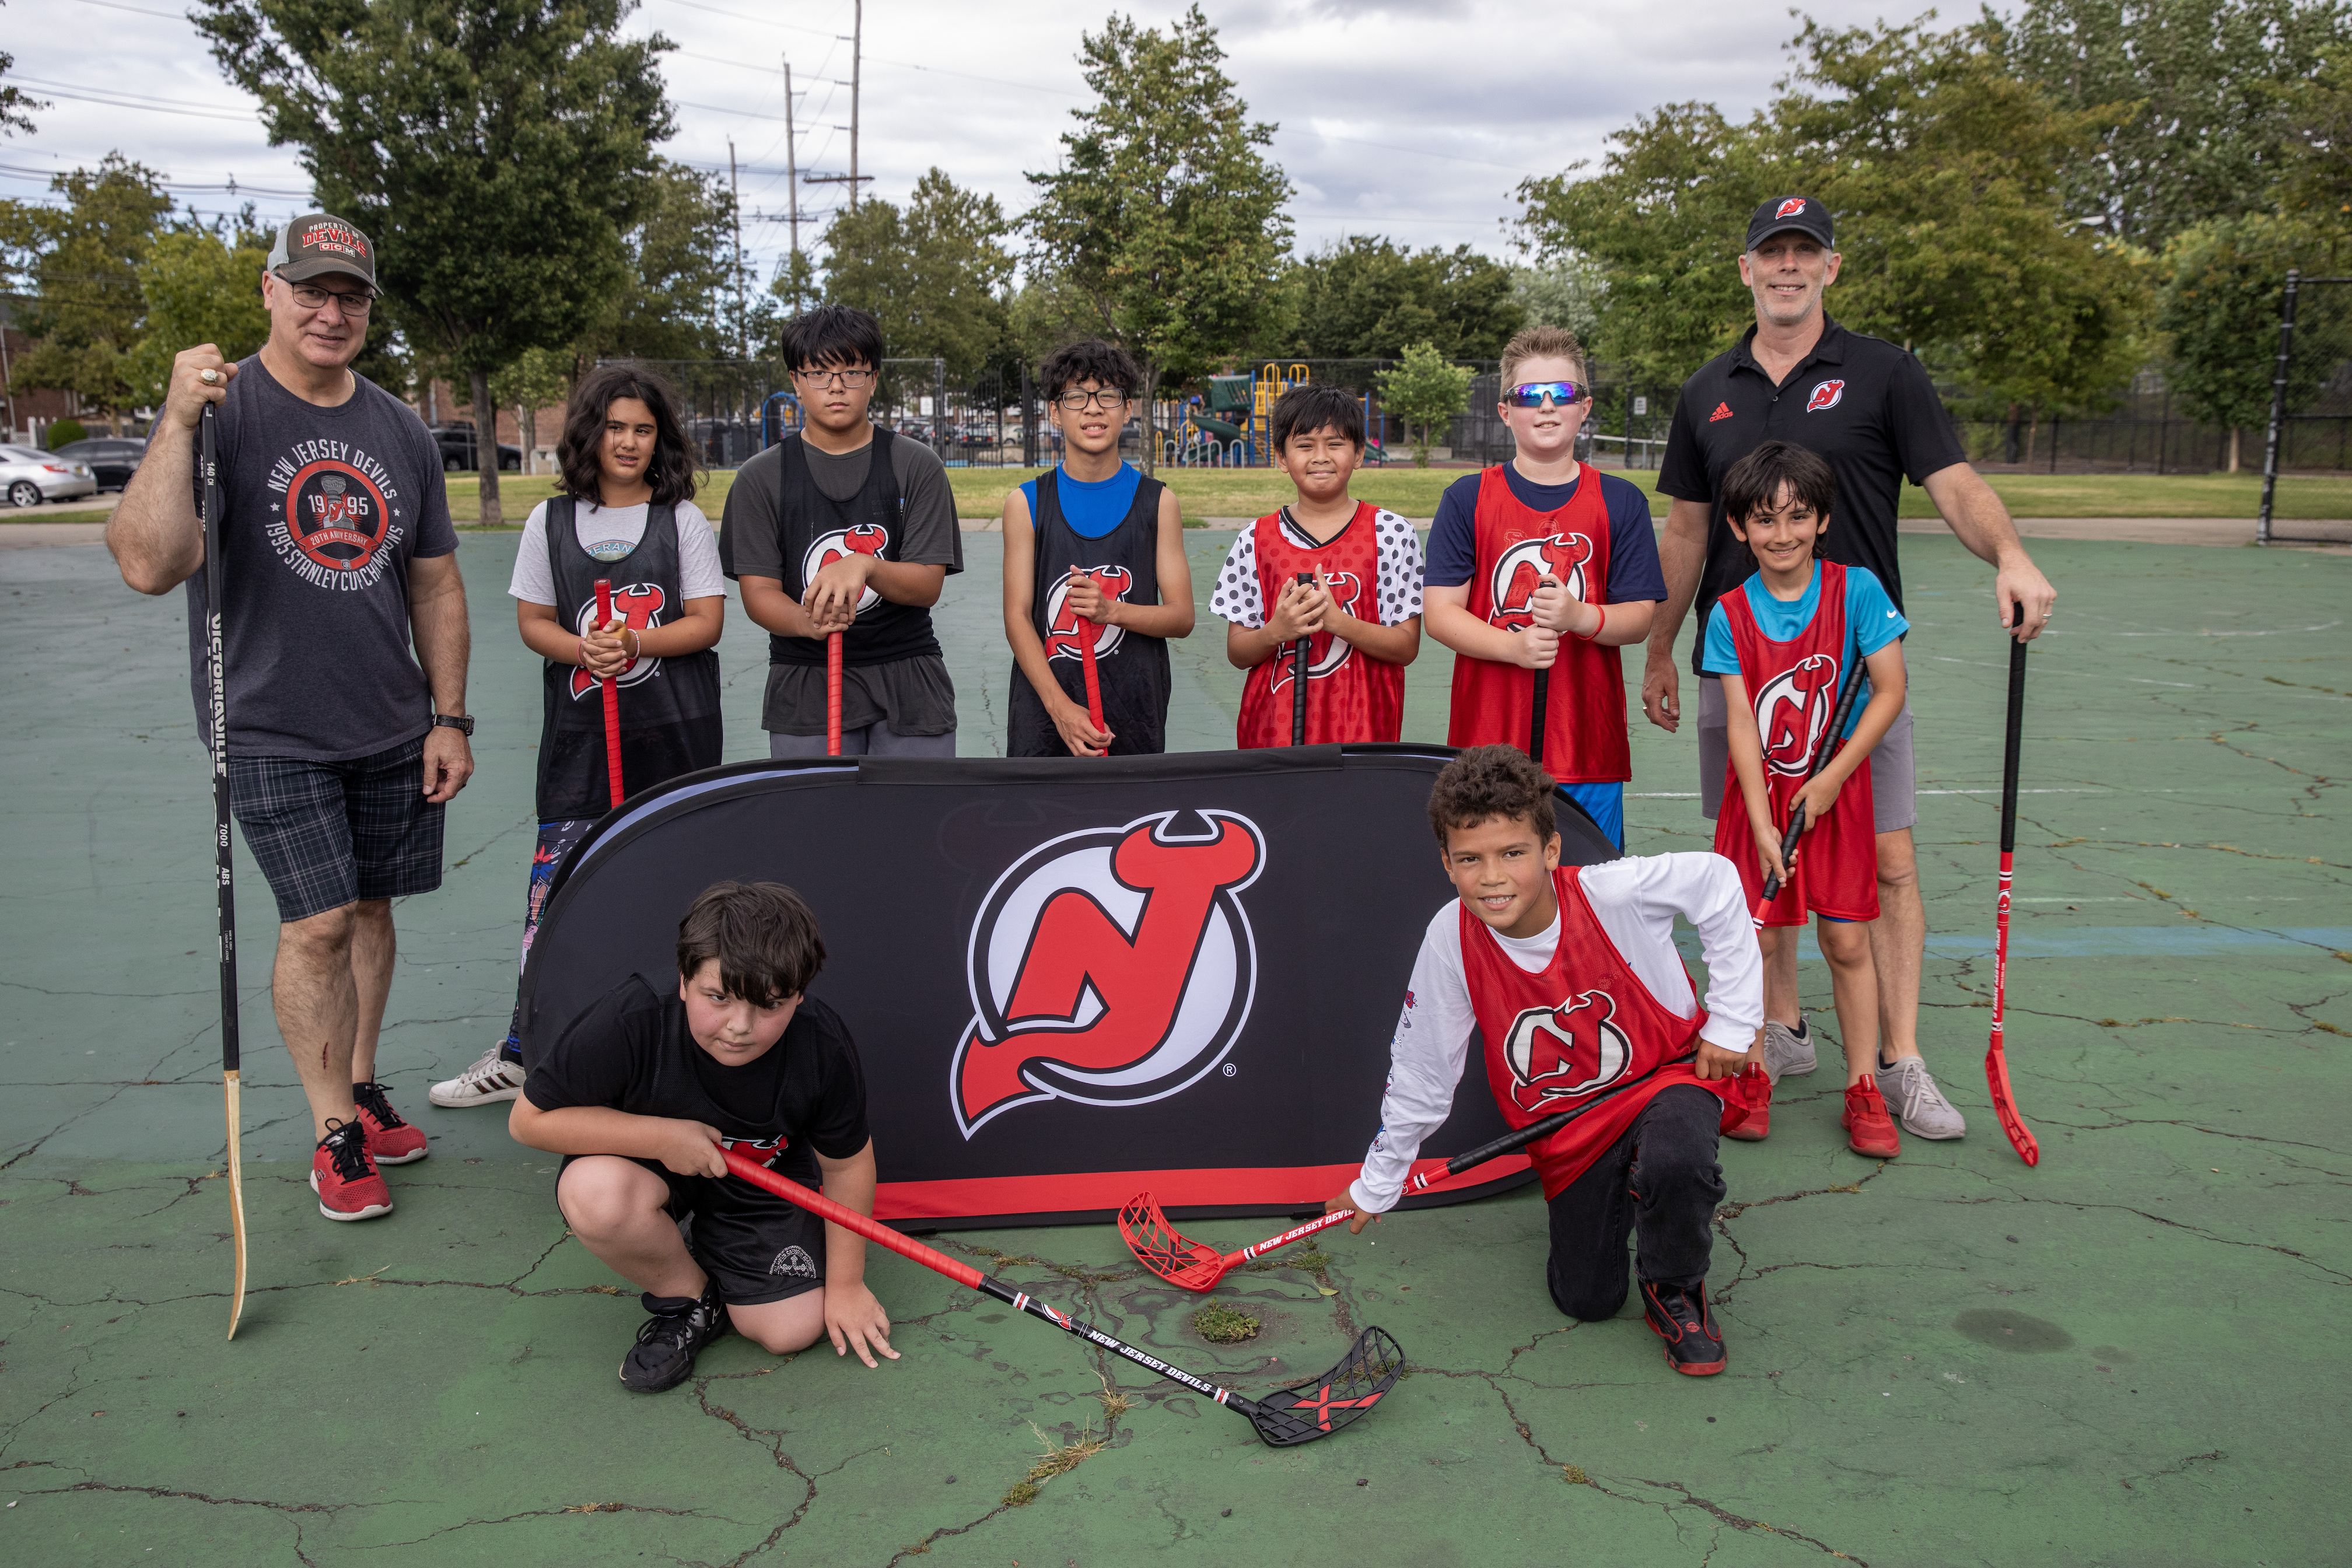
1322 1405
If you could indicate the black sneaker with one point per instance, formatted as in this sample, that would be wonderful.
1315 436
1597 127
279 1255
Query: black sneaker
1680 1317
668 1341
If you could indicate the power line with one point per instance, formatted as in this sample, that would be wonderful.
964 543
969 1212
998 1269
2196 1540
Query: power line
127 100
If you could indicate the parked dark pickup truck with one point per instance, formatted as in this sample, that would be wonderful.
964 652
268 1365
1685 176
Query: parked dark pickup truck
456 441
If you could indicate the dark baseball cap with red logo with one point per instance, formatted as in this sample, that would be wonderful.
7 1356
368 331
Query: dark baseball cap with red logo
1803 214
320 245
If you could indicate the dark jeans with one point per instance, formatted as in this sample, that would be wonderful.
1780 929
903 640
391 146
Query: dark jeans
1662 1177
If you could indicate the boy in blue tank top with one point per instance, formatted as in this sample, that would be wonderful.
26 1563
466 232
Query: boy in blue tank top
1092 552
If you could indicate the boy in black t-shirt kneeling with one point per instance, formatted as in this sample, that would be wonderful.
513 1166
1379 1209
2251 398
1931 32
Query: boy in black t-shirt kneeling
639 1091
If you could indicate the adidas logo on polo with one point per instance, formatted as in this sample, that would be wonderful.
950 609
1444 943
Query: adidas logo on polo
793 1264
1722 411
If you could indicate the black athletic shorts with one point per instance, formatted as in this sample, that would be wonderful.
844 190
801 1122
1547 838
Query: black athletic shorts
331 834
758 1247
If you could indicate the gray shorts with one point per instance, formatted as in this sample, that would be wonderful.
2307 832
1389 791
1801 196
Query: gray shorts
1893 776
876 740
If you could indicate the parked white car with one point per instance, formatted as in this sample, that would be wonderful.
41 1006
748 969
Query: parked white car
28 477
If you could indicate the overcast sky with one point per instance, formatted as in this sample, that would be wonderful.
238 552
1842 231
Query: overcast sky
1412 121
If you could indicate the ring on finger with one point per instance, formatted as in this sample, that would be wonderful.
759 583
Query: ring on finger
209 376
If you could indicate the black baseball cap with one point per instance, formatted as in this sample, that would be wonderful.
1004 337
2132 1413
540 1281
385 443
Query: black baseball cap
1802 214
320 244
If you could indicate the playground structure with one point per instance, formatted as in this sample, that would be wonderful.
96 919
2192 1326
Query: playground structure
780 417
1231 425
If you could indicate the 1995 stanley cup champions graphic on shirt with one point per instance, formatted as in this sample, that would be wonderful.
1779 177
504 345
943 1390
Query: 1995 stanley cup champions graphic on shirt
337 521
1111 966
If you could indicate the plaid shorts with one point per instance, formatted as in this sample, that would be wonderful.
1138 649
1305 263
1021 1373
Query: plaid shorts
329 834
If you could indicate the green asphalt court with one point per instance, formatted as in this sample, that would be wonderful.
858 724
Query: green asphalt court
2134 1355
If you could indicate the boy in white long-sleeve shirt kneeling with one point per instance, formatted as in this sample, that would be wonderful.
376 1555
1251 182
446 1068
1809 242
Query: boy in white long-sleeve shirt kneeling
1571 977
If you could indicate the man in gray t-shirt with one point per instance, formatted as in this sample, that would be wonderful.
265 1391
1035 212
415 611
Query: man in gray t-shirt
846 528
344 641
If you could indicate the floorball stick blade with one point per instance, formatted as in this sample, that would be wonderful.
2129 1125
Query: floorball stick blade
232 1094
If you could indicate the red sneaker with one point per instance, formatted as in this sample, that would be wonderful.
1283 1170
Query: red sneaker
347 1182
1750 1092
390 1140
1755 1127
1869 1129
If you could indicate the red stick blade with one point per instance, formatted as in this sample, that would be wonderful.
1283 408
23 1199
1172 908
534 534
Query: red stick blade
1157 1246
2004 1105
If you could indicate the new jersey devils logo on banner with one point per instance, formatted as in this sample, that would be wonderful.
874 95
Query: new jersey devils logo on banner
1520 570
1347 593
1113 966
641 604
1062 623
1791 712
866 539
1558 1054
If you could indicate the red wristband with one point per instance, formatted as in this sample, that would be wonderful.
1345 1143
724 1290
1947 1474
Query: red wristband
1602 611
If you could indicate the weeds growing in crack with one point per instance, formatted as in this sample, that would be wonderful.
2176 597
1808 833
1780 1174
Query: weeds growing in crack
1222 1325
1115 1403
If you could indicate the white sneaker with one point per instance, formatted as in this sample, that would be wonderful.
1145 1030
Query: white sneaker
494 1077
1912 1095
1788 1052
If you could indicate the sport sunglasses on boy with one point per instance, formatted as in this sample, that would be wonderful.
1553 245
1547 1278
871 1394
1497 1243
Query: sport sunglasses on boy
1531 393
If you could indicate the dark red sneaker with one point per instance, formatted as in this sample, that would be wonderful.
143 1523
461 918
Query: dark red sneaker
1750 1097
1868 1129
1680 1317
346 1180
390 1139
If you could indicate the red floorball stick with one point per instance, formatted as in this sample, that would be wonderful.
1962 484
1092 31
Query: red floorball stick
612 699
1088 634
1316 1408
1195 1266
832 694
2004 1103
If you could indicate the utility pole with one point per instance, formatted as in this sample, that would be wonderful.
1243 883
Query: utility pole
857 63
792 177
736 189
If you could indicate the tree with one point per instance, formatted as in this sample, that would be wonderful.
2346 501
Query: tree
1166 215
532 382
202 285
1424 391
1566 291
2192 122
13 104
88 308
2217 306
679 254
938 275
496 151
1364 297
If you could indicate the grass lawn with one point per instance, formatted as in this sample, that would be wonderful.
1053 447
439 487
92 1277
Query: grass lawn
1253 492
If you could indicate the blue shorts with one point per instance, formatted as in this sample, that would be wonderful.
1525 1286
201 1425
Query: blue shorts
1605 804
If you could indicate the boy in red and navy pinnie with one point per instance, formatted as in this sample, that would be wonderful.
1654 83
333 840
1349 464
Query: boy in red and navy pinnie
1571 978
1544 562
1360 605
1785 644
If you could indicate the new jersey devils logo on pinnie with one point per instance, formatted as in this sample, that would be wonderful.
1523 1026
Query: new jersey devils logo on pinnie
1110 966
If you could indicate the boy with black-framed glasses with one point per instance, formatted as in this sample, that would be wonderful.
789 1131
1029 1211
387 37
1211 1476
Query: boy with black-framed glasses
846 528
1093 551
1544 562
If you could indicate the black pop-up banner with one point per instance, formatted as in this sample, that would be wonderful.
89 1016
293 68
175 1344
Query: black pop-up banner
1074 980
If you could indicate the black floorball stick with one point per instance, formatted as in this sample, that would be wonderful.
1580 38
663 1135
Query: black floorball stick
231 1085
1316 1408
1541 705
2004 1104
1196 1266
1831 739
1298 651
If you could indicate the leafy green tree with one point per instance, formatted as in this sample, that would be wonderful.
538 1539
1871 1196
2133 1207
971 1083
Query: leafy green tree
1568 291
496 150
1946 170
2316 175
13 104
88 308
541 377
1166 215
678 287
2192 122
203 285
2217 308
1364 297
64 432
938 275
1661 219
1427 392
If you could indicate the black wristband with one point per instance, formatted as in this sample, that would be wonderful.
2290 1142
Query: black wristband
462 724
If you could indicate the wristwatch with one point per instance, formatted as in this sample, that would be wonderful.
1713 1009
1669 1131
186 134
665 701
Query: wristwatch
461 722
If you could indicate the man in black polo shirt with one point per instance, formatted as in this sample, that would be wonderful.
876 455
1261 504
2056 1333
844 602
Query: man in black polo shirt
1867 406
